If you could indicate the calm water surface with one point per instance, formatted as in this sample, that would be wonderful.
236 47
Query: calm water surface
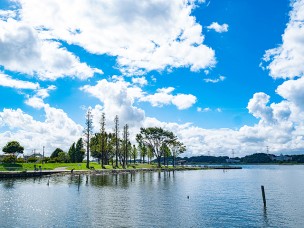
216 199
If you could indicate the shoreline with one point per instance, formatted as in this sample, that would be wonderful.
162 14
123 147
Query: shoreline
25 174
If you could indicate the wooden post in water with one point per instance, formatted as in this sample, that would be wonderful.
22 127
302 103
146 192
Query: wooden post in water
263 195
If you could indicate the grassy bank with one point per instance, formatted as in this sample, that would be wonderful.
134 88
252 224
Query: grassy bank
68 166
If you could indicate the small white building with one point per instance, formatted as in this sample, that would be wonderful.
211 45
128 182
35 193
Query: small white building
232 160
281 157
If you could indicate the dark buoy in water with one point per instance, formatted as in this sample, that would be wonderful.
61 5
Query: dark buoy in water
188 197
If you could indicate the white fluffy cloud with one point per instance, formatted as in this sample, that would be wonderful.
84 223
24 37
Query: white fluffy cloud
8 81
218 28
119 93
37 101
142 81
143 35
293 91
286 61
257 106
23 50
117 99
164 96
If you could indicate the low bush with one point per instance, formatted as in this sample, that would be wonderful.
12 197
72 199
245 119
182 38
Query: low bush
20 160
9 159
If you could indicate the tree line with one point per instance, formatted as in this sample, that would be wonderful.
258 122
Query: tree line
113 148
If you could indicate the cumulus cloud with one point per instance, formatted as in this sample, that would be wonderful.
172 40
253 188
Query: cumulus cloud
143 35
117 99
280 124
37 101
120 93
164 96
142 81
23 50
286 61
218 28
8 81
219 79
257 106
293 91
57 129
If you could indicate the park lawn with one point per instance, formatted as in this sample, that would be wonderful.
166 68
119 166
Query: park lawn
46 166
68 166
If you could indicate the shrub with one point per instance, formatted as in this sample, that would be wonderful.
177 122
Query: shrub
52 160
20 160
9 159
32 159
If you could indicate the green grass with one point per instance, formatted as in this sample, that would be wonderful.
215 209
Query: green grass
69 166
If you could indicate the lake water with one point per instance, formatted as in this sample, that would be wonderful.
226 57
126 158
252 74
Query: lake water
216 199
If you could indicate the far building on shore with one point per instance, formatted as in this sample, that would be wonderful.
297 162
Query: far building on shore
281 157
233 160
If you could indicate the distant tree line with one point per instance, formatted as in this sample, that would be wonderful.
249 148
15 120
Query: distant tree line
256 158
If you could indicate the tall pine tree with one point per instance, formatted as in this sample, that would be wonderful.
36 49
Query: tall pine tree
71 153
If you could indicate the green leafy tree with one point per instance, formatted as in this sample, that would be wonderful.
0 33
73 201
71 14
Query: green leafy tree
72 153
156 137
142 148
134 153
109 144
166 153
177 148
110 148
13 147
150 153
95 146
62 157
56 153
79 151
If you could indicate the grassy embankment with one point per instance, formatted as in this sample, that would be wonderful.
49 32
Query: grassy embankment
68 166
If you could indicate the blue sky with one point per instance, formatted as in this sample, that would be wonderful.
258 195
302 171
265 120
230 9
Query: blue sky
221 75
